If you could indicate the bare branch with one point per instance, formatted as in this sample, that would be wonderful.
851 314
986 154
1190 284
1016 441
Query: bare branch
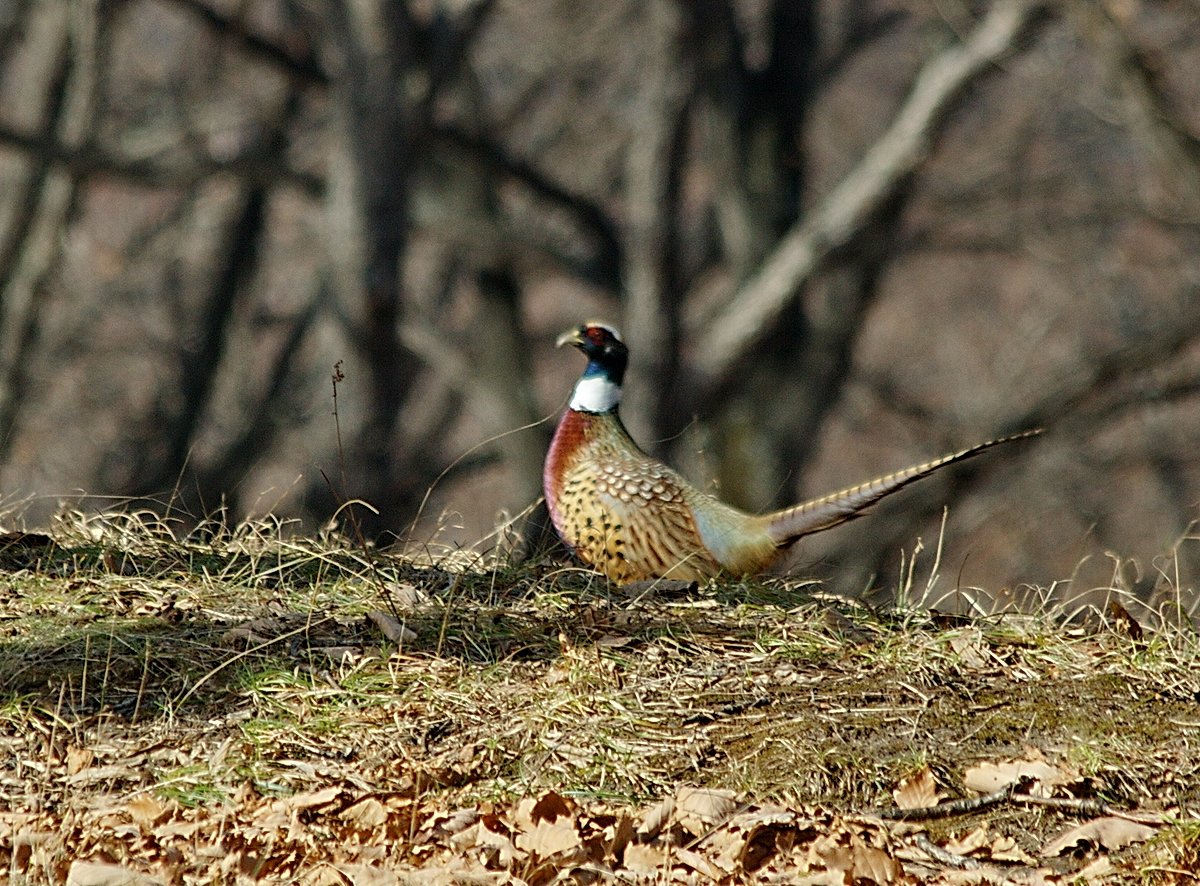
1084 400
504 360
303 67
457 369
27 197
849 206
198 366
591 218
1154 347
85 160
238 257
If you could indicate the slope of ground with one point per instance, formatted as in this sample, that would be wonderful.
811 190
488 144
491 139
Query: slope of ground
254 708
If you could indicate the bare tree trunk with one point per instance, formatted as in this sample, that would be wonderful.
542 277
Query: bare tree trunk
33 247
505 363
762 439
652 168
220 479
200 364
372 40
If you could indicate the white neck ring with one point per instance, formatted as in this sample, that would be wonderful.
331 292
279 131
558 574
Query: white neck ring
595 393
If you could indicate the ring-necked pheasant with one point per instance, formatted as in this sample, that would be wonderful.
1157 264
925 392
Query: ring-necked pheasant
633 518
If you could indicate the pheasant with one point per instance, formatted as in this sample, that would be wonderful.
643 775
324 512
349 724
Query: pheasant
633 518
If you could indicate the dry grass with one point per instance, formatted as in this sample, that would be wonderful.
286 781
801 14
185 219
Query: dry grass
200 681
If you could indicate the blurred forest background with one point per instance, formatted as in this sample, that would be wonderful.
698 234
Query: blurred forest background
840 236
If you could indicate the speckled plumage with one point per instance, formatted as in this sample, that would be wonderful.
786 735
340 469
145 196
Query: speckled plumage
633 518
629 515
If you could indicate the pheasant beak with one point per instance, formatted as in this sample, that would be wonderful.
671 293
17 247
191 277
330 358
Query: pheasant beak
570 337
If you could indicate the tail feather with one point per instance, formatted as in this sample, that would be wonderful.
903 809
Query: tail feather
829 510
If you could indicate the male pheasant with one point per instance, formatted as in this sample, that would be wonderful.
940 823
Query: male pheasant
633 518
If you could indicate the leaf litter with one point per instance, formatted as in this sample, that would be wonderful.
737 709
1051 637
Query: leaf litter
229 713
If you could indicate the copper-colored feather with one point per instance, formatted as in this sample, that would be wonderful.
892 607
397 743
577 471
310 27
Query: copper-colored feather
634 518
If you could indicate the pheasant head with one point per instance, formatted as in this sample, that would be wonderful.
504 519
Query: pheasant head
599 388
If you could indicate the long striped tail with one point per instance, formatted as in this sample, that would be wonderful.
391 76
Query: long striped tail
829 510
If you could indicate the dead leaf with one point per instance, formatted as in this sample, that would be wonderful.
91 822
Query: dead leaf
406 595
971 650
725 845
366 813
645 858
79 759
617 836
551 839
552 805
1006 849
768 833
827 851
390 627
872 865
988 777
655 818
489 835
366 875
970 843
447 824
308 800
1109 833
1123 621
146 811
699 809
95 873
918 790
699 863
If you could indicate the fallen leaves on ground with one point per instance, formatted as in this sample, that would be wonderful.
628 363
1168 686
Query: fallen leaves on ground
341 835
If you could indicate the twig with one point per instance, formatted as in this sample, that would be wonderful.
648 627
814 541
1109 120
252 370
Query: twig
945 856
1088 807
956 807
593 220
1011 793
717 826
336 378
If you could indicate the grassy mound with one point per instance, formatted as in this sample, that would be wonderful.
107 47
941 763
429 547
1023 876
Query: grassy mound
245 705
